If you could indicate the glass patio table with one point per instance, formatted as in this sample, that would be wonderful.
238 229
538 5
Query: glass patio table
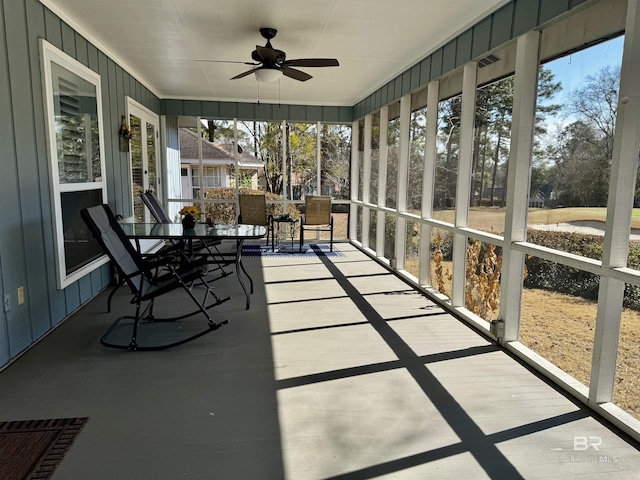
176 232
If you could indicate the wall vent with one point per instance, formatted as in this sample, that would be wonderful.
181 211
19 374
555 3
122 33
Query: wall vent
488 60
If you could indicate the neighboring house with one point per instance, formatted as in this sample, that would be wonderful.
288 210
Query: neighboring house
300 188
218 165
537 200
498 195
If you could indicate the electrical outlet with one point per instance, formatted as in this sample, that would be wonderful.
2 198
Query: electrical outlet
20 295
7 302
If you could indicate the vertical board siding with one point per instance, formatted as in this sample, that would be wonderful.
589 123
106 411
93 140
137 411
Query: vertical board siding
463 50
550 9
481 38
526 17
262 112
449 53
7 160
502 26
68 39
27 249
55 307
23 230
82 54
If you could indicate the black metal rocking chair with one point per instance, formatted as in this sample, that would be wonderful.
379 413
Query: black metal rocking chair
148 278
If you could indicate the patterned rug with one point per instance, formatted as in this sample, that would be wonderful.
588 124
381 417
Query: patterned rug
254 250
33 449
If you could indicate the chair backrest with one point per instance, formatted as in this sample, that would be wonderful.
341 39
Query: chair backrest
116 245
155 207
317 210
253 209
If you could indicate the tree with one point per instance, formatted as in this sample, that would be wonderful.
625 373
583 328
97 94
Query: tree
335 155
447 157
494 104
417 131
264 140
581 171
493 121
301 158
596 105
393 154
584 148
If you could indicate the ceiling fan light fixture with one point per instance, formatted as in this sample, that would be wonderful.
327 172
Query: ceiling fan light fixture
268 74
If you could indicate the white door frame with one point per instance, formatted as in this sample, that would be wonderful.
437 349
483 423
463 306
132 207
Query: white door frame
146 116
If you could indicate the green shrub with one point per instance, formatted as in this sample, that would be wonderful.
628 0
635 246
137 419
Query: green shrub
561 278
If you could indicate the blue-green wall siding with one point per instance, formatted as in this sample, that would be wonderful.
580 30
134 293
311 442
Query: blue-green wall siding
26 231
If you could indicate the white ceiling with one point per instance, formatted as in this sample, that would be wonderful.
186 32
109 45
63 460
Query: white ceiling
160 42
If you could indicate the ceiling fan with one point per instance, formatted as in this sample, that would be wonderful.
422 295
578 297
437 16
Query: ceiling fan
272 63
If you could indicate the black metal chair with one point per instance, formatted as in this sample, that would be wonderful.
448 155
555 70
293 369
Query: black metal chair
148 279
210 246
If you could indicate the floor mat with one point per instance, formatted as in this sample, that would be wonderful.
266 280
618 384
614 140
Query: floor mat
254 250
33 449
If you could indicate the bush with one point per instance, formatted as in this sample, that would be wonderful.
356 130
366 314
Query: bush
226 212
560 278
445 244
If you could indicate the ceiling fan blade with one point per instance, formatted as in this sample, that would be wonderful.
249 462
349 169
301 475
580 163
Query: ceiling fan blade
296 74
243 74
226 61
311 62
268 55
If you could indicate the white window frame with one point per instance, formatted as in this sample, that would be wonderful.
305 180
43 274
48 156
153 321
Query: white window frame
50 54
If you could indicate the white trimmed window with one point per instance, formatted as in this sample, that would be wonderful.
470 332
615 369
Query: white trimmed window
211 177
73 111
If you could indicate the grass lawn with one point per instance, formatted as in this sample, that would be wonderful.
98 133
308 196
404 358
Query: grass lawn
491 219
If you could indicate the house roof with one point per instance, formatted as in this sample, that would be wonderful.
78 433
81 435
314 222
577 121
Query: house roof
212 153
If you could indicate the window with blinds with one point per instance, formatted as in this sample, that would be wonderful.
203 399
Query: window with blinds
74 129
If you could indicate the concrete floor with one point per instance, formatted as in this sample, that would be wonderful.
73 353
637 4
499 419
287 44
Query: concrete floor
338 371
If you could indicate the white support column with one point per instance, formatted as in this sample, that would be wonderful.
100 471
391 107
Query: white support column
353 215
285 184
403 160
235 158
428 179
382 178
622 185
319 157
200 164
403 181
518 180
463 186
366 179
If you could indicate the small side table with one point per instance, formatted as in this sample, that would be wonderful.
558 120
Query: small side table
285 230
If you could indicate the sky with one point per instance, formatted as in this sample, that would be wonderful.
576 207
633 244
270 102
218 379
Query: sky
572 70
